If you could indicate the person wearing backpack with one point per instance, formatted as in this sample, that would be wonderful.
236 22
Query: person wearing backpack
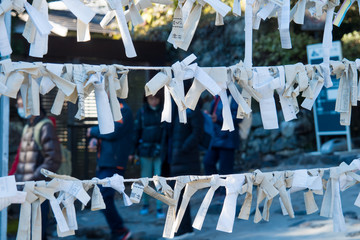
35 155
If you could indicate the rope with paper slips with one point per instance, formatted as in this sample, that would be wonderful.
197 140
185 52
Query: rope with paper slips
75 82
185 20
269 185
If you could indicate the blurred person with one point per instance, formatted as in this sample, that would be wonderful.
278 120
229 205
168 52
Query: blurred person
113 150
223 143
147 144
39 148
183 154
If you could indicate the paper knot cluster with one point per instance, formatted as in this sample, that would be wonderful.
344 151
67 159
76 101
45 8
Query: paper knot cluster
62 191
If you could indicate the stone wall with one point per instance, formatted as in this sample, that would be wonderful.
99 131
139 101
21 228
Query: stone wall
269 147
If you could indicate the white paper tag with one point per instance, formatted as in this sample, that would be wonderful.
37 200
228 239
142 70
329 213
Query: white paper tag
5 48
177 32
8 186
137 190
82 12
40 21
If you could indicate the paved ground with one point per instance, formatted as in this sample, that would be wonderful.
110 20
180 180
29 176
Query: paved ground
92 225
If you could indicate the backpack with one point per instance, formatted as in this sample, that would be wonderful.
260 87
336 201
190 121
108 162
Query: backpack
66 165
208 132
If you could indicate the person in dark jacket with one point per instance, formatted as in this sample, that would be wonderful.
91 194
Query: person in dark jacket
113 152
183 155
37 154
223 143
185 140
147 142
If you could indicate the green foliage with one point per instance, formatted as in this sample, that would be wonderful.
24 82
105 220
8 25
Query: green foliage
157 25
351 45
267 49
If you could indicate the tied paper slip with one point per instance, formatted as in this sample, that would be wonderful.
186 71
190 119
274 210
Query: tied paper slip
347 91
177 32
6 68
5 6
349 177
83 31
190 189
39 20
233 185
117 182
166 195
265 191
215 81
331 204
113 85
276 183
133 14
82 12
123 92
297 13
318 81
69 213
73 188
9 193
137 190
215 183
105 118
265 12
39 47
97 200
48 193
248 189
243 107
284 25
168 232
186 9
23 231
248 33
190 26
237 8
47 84
262 83
284 197
116 10
219 7
243 76
70 190
5 48
287 107
256 19
205 79
182 36
327 44
302 180
182 70
228 123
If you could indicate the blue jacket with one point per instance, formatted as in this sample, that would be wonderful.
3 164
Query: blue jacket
116 147
225 139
